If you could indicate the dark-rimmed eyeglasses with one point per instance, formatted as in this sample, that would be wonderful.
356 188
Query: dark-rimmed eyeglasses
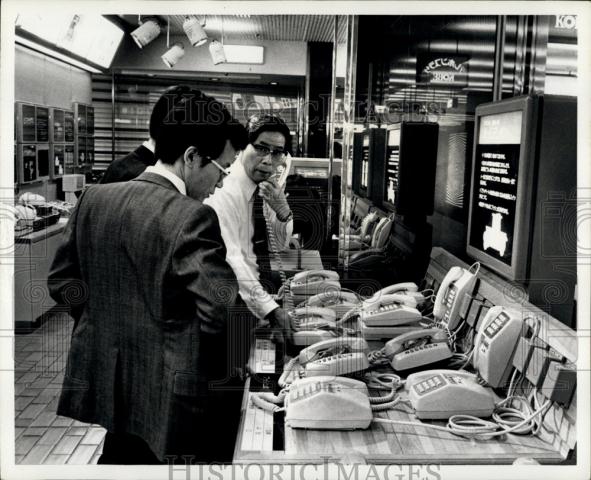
262 151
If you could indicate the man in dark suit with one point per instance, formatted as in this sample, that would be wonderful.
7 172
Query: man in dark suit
142 267
134 163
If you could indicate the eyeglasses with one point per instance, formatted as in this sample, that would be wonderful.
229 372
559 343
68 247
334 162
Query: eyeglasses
225 171
262 151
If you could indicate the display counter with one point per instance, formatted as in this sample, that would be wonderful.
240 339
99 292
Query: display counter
264 437
33 255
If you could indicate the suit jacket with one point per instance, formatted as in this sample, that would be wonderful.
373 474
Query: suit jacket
130 166
144 269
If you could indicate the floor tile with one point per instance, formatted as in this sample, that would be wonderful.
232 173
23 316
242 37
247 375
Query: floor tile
32 411
62 422
66 445
25 444
94 436
20 403
45 419
82 455
23 422
52 436
37 454
77 431
53 459
38 431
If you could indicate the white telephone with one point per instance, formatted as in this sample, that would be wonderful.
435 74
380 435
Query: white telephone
390 310
417 348
310 325
457 283
440 394
340 302
494 345
339 356
313 282
406 288
357 240
328 403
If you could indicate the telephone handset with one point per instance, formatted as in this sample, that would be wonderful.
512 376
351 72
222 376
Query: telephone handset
366 224
390 310
308 318
310 325
281 171
313 282
381 233
340 302
402 288
440 394
450 296
335 346
328 403
494 345
417 348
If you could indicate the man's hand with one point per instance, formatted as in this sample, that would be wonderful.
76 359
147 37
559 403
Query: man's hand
281 324
275 196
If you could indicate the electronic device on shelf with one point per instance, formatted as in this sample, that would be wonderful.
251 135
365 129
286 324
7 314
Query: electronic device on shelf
440 394
457 283
328 403
495 343
417 348
313 282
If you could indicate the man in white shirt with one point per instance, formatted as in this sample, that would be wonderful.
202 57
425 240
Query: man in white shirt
252 175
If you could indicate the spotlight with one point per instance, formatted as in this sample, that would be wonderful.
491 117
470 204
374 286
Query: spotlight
146 32
173 55
194 30
217 52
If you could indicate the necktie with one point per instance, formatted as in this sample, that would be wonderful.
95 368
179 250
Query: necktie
259 237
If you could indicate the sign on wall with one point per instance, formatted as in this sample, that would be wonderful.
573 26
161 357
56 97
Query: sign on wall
442 69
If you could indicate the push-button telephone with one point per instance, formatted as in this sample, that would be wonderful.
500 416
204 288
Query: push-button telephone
313 282
328 403
417 348
440 394
457 283
495 343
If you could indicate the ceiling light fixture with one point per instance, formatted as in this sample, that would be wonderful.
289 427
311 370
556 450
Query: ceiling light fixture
146 32
216 49
174 53
273 83
193 27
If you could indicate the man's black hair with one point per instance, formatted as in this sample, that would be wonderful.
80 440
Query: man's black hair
259 123
195 119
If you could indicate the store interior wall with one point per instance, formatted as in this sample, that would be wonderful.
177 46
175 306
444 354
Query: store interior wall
44 81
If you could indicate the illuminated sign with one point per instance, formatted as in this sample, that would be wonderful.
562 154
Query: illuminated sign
449 70
566 22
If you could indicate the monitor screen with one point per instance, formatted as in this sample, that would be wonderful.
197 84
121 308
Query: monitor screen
497 168
500 199
42 124
392 163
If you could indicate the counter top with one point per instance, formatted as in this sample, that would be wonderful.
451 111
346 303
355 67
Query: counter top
44 234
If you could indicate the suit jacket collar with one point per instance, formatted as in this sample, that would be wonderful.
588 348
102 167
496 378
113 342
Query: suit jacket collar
157 179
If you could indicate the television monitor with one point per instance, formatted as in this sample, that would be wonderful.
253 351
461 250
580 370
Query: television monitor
57 155
43 164
27 158
503 160
25 122
57 117
408 172
69 126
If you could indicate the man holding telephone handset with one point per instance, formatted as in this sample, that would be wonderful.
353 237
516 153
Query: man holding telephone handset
256 178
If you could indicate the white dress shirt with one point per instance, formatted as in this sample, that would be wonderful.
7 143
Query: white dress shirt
233 204
160 169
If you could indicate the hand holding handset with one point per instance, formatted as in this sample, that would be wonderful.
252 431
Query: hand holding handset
457 283
440 394
418 348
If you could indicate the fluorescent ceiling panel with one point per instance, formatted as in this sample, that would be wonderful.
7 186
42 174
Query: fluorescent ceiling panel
244 54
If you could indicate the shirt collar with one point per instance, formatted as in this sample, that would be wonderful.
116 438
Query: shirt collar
239 173
149 145
161 170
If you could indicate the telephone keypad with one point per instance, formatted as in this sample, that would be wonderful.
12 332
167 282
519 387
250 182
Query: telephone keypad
496 325
430 384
